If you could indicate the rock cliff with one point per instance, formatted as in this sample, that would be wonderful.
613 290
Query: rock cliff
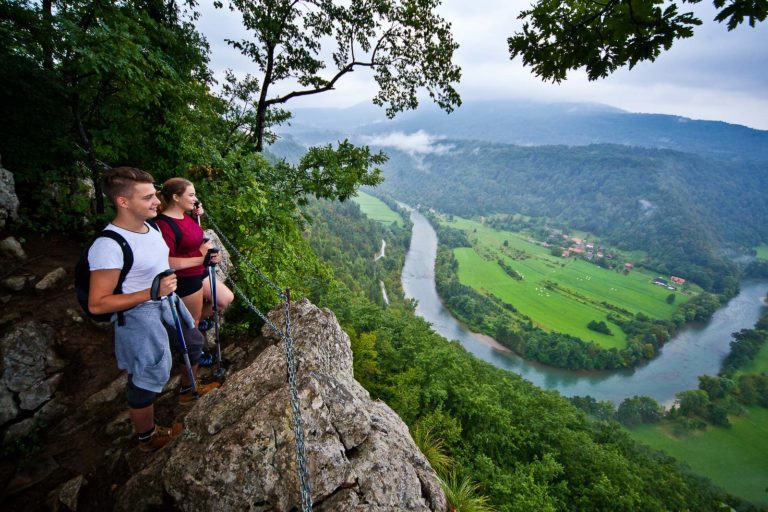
237 451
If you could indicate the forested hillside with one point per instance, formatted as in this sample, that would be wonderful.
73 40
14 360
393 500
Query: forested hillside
686 212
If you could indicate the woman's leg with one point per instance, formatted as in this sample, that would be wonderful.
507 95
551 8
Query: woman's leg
194 303
224 297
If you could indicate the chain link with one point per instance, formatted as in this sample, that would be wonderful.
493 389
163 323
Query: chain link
298 429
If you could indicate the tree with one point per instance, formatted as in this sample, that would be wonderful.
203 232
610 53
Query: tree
639 409
405 43
117 77
693 402
560 36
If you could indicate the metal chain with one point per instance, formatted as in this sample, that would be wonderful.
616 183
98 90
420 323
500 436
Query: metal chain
306 495
298 430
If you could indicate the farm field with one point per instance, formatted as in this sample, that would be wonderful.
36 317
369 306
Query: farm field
732 458
762 252
376 209
580 290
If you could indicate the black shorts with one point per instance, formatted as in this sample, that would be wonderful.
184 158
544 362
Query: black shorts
188 285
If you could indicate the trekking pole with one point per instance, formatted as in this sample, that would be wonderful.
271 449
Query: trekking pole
218 374
173 298
182 342
199 220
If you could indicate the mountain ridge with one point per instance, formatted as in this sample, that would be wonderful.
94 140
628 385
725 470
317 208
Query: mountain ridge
538 123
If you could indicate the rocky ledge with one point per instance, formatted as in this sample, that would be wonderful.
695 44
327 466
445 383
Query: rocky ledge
237 451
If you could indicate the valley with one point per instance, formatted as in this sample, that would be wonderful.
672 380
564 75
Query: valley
733 457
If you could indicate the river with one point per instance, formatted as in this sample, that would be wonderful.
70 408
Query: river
696 350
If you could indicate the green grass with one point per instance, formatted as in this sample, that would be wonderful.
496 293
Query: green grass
377 210
582 285
735 458
762 252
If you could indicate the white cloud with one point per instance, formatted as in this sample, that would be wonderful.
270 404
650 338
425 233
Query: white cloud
417 143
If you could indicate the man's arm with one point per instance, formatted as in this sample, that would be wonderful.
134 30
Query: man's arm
102 299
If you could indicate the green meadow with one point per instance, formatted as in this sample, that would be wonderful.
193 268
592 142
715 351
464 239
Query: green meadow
762 252
579 291
734 458
376 209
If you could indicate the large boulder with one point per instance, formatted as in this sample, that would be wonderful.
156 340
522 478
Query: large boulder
30 370
9 202
237 451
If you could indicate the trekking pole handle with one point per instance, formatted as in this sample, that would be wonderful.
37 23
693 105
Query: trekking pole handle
208 255
199 221
154 291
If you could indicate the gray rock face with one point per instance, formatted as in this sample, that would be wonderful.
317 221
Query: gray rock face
29 368
8 408
237 451
9 202
11 248
66 496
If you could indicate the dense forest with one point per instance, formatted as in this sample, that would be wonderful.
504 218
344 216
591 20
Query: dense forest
688 214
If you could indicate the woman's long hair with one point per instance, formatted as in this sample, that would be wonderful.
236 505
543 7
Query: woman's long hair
172 187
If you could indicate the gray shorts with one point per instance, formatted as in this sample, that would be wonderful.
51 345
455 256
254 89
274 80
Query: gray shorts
141 347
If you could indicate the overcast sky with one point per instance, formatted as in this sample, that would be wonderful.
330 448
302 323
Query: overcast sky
717 75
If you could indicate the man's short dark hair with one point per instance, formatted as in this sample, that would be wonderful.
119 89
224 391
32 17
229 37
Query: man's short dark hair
119 181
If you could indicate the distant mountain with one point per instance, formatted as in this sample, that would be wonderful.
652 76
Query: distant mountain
535 123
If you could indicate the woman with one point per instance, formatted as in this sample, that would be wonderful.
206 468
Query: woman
184 237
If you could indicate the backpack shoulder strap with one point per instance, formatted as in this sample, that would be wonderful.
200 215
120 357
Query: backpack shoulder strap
172 224
127 264
127 255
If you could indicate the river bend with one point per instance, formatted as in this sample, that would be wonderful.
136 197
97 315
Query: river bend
696 350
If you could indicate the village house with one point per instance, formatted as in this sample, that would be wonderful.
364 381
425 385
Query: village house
678 280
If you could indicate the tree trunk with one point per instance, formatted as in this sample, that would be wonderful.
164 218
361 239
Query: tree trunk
261 109
92 161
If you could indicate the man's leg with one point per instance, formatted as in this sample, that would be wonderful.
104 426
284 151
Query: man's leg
141 407
143 419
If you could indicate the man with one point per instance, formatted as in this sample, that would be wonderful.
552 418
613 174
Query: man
141 339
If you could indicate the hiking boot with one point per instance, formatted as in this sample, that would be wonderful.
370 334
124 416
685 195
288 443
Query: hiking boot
188 398
207 359
205 324
161 437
